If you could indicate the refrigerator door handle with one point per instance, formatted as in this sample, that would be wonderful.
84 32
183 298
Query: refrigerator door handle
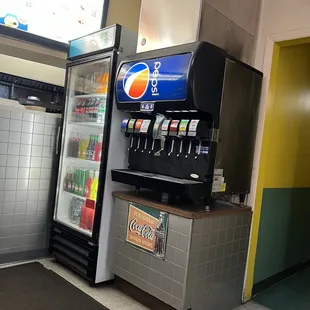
58 140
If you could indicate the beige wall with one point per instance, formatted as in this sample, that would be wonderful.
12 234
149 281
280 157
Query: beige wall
32 70
232 25
32 61
279 19
125 13
280 16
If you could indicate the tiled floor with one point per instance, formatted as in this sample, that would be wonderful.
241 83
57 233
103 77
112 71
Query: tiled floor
251 305
107 295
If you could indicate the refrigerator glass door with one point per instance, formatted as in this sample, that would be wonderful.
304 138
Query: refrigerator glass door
83 133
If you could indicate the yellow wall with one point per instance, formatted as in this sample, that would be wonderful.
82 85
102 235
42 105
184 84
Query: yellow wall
289 147
284 160
125 13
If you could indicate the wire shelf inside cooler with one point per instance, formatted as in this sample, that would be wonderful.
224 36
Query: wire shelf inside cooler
83 124
83 163
102 96
67 222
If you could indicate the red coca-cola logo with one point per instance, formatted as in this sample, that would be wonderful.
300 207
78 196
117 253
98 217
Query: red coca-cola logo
146 231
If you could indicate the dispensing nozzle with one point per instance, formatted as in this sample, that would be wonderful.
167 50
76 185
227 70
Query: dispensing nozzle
162 146
189 148
145 145
131 143
138 145
152 148
181 148
171 149
199 150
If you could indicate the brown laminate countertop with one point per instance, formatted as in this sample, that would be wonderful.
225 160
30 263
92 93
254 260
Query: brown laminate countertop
220 208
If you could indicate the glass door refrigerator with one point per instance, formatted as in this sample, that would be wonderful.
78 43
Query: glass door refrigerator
90 147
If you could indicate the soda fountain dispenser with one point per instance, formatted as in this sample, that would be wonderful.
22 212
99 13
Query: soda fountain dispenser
194 115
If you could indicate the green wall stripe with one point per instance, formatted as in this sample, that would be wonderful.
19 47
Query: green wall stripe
284 231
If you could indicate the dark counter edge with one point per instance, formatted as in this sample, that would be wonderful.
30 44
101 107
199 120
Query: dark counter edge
187 213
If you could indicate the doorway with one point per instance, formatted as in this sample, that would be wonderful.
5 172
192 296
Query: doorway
283 190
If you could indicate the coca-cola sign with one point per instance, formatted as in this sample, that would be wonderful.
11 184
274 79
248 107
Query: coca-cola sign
147 229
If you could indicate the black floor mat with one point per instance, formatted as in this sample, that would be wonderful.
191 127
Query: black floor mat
33 287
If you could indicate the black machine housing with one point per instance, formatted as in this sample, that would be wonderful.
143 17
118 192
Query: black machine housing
223 95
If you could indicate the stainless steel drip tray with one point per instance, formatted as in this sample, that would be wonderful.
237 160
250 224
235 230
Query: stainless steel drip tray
161 183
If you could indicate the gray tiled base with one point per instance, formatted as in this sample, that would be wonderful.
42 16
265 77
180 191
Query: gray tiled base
204 263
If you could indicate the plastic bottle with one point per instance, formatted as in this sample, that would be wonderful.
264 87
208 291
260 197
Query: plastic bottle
94 187
87 110
78 110
70 145
77 146
70 179
105 83
82 111
80 152
101 112
83 218
83 178
89 183
88 149
95 109
84 142
90 218
77 181
100 80
92 148
98 148
73 174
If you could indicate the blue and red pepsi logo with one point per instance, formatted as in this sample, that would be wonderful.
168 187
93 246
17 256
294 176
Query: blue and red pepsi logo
136 80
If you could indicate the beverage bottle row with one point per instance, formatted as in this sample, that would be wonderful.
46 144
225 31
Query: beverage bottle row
82 214
97 82
90 110
82 182
84 146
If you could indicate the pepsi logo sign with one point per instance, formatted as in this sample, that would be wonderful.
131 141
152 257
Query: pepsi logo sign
136 80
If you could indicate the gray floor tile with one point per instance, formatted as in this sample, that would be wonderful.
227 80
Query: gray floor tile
107 295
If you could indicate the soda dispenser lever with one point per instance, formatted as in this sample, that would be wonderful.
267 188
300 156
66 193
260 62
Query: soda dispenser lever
172 147
130 131
162 146
145 128
199 150
173 132
189 148
181 148
152 148
137 132
192 132
164 133
157 131
182 133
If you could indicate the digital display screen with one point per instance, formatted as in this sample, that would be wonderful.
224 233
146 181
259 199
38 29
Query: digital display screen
157 79
59 20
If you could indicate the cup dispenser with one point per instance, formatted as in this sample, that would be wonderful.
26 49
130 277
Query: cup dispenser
194 114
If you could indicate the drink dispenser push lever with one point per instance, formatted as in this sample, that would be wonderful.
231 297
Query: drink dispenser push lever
137 132
165 130
199 130
157 133
130 131
145 131
173 133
